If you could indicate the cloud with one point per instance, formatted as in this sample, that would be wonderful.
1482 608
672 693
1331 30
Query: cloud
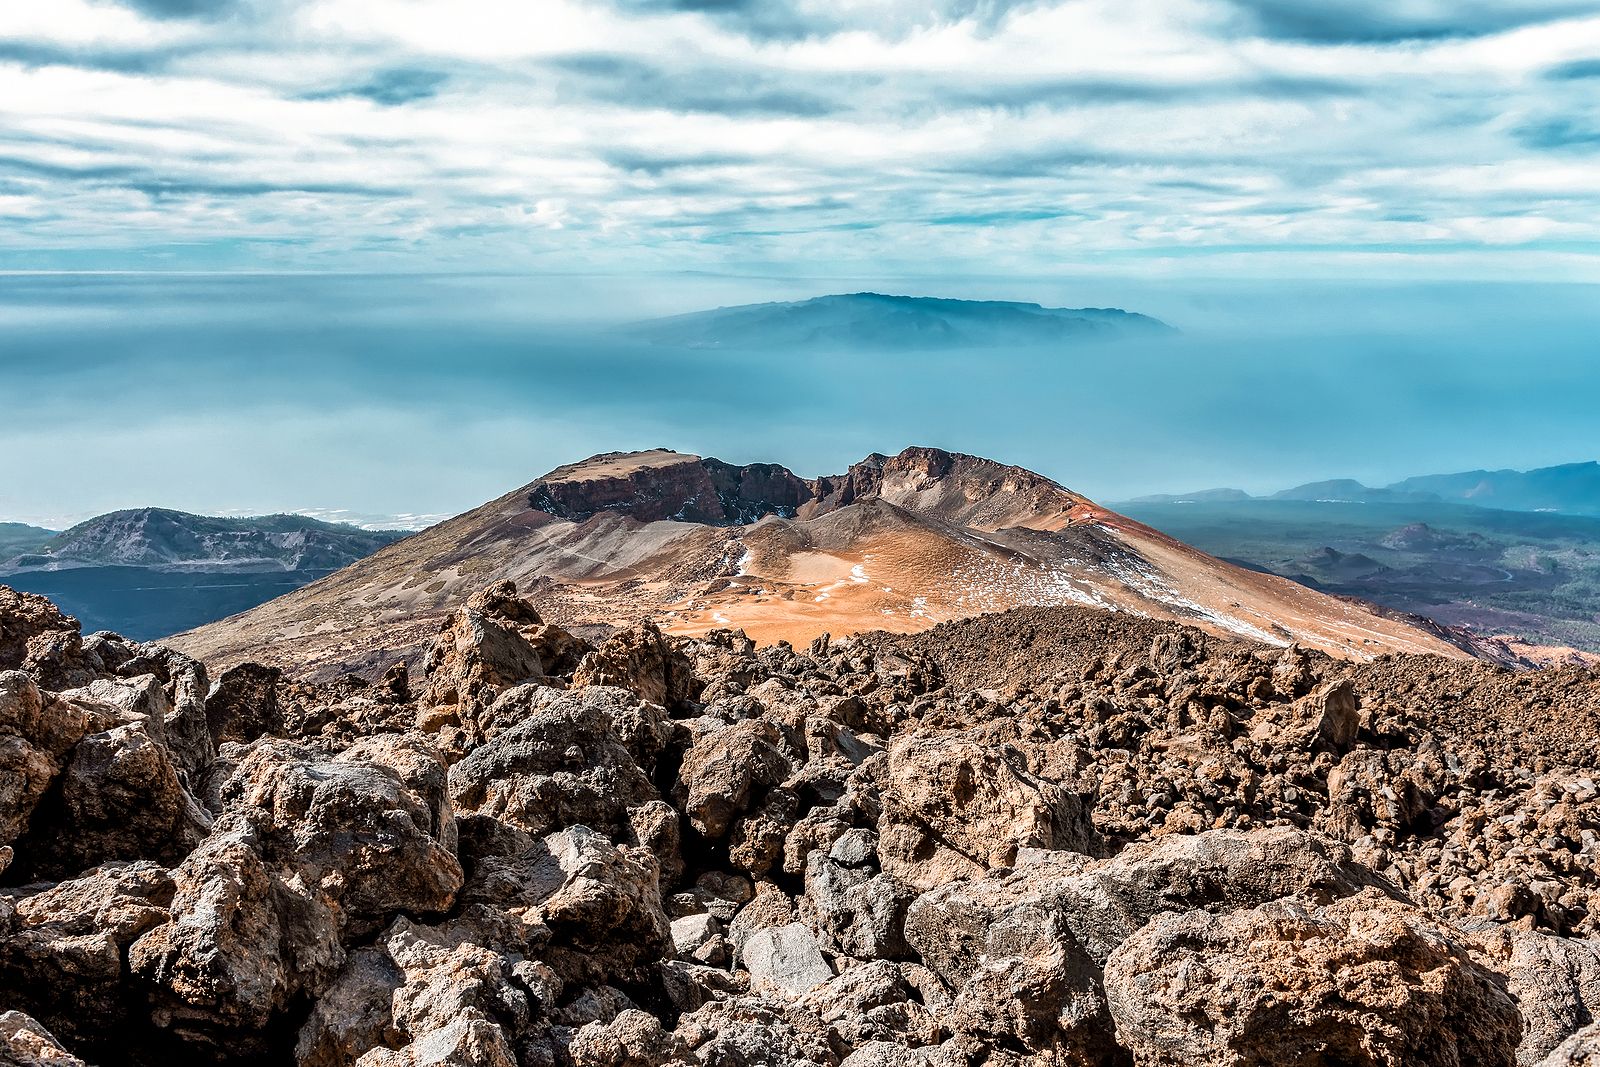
184 9
1560 133
719 88
391 87
800 19
1385 21
692 134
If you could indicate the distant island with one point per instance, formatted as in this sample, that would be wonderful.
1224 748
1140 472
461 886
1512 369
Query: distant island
882 321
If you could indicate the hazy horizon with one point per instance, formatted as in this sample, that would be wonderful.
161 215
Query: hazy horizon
359 254
389 394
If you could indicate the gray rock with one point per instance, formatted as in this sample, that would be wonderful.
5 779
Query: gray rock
785 959
1582 1049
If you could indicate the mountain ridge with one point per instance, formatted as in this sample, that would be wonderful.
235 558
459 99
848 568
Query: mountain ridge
1572 488
166 538
896 542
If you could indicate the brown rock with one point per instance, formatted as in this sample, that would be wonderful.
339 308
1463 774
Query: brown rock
954 808
24 1043
642 661
1365 980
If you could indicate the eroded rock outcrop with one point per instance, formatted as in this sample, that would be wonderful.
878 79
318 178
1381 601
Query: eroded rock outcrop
1150 849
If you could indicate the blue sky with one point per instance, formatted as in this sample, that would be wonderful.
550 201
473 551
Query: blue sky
1425 138
279 254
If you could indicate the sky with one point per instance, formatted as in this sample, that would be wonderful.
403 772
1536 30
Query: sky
366 257
871 136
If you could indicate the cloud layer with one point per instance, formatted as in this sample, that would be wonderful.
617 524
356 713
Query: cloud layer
960 136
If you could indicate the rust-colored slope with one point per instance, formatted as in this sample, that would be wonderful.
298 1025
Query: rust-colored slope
897 543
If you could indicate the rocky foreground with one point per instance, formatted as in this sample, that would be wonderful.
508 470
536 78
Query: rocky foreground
1053 836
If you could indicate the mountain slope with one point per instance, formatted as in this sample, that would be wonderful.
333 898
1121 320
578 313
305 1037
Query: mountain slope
877 320
897 543
18 537
157 537
1570 487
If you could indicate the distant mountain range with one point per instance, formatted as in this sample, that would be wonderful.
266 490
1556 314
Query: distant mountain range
157 537
877 320
1571 488
18 537
149 572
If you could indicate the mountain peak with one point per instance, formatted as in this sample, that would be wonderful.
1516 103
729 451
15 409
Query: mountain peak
663 485
897 542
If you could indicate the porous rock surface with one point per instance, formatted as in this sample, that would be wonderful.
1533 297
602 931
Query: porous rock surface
1053 837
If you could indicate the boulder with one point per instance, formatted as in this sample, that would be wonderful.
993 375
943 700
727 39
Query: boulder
1555 981
120 797
481 651
754 1032
860 911
38 638
61 954
563 763
309 854
642 661
784 959
1582 1049
243 704
955 807
725 772
36 733
24 1043
1366 981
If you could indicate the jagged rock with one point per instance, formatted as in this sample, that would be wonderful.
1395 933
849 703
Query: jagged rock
24 1043
421 995
633 1039
750 1032
699 938
1582 1049
1555 981
120 798
784 959
600 904
461 1043
860 911
954 808
722 772
61 957
641 660
1006 948
35 735
563 762
184 682
481 651
1365 980
1218 870
308 854
37 638
881 1001
769 907
243 704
